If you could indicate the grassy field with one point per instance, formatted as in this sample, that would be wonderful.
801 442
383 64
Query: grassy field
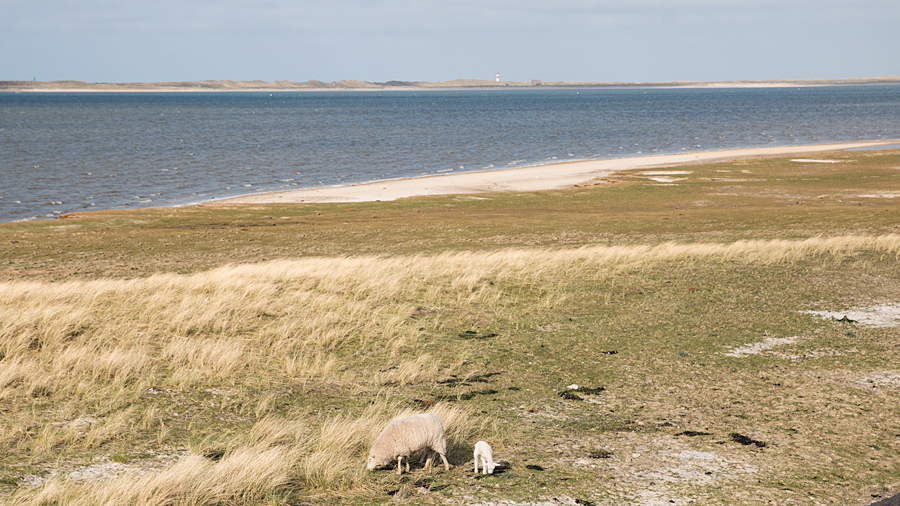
251 354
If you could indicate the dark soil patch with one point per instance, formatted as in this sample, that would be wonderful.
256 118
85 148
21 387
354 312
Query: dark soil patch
456 381
746 440
474 334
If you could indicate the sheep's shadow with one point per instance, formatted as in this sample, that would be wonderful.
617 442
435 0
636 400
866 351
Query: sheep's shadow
501 469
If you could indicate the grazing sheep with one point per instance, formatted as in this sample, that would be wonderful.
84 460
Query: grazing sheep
406 436
485 453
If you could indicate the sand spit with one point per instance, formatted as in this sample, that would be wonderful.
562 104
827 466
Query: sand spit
540 177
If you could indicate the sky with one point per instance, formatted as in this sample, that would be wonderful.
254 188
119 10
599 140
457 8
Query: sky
437 40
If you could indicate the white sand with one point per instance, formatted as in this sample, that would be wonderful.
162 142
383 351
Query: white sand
882 315
542 177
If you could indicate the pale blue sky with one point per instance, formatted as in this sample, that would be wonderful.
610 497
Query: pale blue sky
430 40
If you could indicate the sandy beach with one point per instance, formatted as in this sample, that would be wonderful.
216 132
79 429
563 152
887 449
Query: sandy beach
540 177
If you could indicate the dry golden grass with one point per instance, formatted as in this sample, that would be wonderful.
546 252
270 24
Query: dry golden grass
77 355
263 464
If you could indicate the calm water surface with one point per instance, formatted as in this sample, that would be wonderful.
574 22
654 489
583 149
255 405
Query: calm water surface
69 152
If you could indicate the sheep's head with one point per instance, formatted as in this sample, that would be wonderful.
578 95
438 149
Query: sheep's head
372 462
490 467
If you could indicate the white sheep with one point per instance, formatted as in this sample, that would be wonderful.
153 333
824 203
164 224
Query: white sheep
485 454
406 436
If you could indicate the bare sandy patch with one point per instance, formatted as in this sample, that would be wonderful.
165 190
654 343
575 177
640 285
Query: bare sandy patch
880 195
103 468
757 348
810 160
554 501
883 315
882 379
810 354
650 470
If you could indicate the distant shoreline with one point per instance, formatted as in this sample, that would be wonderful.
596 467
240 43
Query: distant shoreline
350 85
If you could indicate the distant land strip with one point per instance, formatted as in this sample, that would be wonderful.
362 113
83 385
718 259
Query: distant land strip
229 85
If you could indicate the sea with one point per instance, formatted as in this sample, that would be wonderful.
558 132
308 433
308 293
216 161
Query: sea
73 152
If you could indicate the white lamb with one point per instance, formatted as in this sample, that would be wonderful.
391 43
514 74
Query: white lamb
406 436
485 454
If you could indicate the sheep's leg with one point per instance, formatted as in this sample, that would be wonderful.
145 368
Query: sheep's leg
476 463
400 465
407 464
429 458
446 464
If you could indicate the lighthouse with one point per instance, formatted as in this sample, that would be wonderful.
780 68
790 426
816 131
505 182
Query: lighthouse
498 77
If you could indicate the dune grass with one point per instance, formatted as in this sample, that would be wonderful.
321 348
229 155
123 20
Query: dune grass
229 381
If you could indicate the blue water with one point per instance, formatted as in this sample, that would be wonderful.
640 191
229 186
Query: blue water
70 152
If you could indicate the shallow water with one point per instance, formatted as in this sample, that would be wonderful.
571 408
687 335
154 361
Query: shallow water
69 152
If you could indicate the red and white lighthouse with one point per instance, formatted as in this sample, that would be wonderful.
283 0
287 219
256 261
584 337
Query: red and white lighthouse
498 77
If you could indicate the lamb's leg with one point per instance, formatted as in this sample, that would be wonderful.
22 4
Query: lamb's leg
476 462
484 464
